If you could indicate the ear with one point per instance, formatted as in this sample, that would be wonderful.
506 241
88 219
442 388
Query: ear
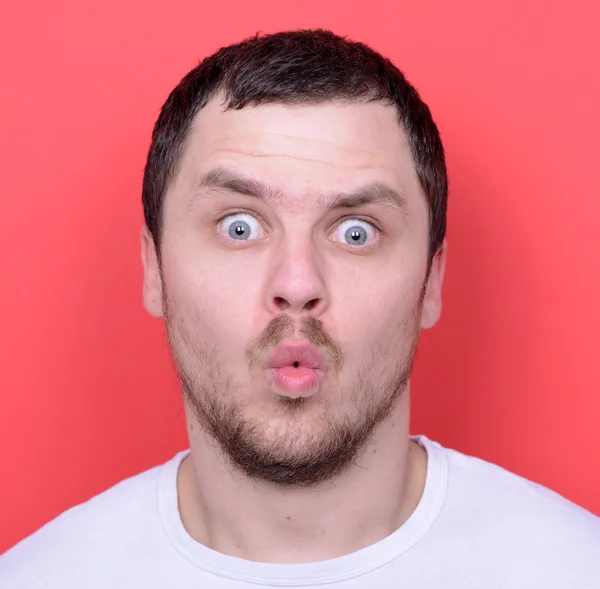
432 301
152 291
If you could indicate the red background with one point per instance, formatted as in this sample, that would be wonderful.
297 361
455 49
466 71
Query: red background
87 393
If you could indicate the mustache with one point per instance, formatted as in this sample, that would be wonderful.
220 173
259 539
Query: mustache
282 327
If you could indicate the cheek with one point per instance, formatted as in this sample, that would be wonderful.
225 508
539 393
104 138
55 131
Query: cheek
375 301
378 319
214 302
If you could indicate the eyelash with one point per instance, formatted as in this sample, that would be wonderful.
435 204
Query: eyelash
368 220
224 216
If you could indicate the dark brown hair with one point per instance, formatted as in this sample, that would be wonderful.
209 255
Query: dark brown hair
295 67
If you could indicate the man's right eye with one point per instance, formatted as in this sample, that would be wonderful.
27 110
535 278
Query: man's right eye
241 227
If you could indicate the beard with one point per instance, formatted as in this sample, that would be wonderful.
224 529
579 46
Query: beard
291 443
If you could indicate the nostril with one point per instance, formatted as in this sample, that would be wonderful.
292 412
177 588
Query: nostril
281 303
311 304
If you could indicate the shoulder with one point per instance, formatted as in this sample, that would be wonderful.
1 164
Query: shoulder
520 520
100 530
493 489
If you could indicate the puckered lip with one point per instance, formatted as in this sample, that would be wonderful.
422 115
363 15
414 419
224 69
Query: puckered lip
295 353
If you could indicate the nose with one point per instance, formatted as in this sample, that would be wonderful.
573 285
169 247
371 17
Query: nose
295 283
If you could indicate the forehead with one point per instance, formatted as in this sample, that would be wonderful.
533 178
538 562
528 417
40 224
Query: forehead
302 148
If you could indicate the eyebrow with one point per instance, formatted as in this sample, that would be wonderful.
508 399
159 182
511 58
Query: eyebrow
225 180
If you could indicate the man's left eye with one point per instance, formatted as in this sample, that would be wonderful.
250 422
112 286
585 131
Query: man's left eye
354 232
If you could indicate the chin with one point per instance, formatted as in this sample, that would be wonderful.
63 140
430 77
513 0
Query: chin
287 418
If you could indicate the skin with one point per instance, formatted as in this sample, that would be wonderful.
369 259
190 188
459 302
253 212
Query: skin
218 295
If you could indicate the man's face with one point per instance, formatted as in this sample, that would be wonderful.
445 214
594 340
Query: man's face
293 281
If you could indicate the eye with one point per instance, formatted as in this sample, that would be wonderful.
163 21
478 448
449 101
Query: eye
241 227
355 232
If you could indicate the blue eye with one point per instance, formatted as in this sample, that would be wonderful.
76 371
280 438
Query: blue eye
241 227
355 232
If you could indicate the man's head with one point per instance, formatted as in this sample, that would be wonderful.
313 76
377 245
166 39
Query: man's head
295 202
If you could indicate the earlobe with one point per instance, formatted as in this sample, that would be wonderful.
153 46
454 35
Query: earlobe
432 301
152 288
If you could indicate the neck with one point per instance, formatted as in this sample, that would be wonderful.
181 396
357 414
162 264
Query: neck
232 514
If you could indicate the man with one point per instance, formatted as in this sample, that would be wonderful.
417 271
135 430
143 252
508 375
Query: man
295 203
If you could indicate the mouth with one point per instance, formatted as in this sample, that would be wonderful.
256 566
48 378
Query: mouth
296 369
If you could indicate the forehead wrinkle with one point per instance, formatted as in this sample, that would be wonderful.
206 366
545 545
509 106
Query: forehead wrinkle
284 139
263 143
250 153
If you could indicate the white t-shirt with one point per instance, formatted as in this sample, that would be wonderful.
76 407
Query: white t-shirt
476 526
